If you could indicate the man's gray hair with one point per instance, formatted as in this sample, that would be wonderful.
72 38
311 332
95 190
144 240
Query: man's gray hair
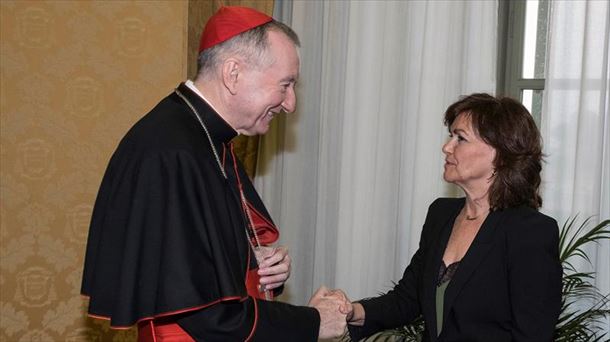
250 45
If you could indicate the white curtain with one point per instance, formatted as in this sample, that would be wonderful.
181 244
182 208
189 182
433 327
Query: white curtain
349 177
576 121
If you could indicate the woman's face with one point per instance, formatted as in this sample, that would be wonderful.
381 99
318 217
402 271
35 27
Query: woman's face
468 159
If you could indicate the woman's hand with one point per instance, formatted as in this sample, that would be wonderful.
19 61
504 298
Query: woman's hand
354 311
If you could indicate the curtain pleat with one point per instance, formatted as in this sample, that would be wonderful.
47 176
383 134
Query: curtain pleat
576 124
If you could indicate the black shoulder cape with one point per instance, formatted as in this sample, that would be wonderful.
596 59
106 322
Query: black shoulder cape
167 234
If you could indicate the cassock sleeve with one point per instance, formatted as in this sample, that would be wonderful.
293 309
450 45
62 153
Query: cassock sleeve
259 319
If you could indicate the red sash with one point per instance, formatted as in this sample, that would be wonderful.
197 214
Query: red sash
266 231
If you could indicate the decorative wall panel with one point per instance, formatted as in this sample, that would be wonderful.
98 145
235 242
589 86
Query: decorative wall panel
74 76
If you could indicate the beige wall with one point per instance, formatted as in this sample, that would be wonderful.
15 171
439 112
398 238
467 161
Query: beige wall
75 75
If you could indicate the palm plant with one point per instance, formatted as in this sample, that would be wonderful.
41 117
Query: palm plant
576 323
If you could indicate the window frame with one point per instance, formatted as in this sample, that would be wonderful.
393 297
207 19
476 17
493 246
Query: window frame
511 29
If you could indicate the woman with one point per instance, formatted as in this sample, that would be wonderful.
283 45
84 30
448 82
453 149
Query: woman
487 268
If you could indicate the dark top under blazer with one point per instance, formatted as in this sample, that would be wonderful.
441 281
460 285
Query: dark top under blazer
507 287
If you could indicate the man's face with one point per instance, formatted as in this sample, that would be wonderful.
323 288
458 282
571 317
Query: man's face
267 90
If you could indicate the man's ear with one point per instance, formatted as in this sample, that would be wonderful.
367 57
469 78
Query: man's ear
230 73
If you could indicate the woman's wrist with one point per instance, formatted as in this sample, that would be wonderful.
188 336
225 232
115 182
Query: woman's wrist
357 317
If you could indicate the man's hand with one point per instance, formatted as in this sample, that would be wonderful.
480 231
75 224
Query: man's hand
346 306
273 266
354 311
331 306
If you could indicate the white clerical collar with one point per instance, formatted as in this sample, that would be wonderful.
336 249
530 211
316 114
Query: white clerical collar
192 87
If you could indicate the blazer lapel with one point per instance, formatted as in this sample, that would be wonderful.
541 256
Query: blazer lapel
480 246
443 227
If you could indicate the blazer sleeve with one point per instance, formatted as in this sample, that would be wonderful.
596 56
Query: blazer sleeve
400 305
534 272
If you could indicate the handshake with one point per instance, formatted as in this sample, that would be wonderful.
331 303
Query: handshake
336 311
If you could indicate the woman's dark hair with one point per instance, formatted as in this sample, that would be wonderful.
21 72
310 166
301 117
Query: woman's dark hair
508 127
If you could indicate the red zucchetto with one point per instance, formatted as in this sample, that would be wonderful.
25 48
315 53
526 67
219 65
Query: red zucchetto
228 22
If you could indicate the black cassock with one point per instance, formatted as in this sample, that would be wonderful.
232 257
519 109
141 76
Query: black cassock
168 236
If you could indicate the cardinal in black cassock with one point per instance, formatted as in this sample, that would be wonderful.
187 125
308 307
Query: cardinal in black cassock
174 228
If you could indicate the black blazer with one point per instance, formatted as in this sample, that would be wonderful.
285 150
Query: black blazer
506 288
